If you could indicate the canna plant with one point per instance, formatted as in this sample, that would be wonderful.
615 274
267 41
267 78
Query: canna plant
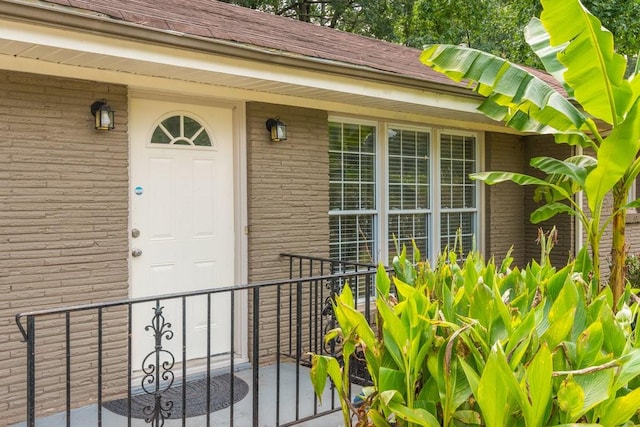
466 342
576 50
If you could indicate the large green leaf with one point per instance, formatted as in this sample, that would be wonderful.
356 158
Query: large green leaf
538 376
321 367
418 416
496 177
596 387
538 38
566 168
383 283
629 368
351 320
548 211
617 152
498 389
395 336
621 409
558 322
589 345
514 95
594 70
391 379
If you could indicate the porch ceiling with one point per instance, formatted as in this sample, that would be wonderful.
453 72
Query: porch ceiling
69 57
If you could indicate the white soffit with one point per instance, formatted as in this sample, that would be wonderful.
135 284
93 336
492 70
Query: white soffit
35 44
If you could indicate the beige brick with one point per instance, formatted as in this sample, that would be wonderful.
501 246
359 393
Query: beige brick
63 219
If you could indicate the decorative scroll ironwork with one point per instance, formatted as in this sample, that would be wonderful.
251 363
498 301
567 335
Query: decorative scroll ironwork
157 367
332 347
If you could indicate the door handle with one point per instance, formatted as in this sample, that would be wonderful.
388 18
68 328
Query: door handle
136 252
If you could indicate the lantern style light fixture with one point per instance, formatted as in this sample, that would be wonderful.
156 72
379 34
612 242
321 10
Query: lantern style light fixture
278 129
104 115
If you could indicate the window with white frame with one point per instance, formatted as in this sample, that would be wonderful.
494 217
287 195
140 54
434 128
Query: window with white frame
352 188
458 193
408 189
412 185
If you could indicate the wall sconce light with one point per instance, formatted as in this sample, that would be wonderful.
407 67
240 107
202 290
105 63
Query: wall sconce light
278 129
104 115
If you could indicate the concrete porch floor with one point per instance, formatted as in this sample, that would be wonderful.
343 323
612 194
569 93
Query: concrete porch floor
242 410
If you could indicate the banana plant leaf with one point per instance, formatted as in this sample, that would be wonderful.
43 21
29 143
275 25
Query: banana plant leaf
514 95
594 70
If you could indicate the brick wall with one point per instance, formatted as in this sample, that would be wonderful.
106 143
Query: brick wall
63 226
288 201
504 202
542 145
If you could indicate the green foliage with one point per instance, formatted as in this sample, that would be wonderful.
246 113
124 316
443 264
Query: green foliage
579 52
466 342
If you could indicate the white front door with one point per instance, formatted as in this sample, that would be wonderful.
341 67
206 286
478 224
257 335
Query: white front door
182 222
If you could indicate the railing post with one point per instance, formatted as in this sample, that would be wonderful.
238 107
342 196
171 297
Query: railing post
31 372
256 352
298 343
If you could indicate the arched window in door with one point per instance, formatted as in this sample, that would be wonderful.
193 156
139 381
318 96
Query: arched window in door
181 130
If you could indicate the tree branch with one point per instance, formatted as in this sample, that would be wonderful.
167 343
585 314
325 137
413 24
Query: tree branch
589 370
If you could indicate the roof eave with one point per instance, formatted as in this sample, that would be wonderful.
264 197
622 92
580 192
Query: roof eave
76 19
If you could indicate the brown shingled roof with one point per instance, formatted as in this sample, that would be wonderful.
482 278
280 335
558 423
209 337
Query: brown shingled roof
230 23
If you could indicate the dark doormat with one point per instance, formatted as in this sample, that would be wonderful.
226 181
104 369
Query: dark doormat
143 405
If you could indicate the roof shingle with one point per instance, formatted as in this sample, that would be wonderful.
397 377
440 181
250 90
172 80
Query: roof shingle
230 23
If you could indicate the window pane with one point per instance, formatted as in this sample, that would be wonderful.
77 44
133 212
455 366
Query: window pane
395 169
351 138
351 196
351 167
469 196
160 137
190 127
409 143
335 166
395 197
450 224
409 170
395 146
335 137
405 230
352 238
335 196
367 168
367 196
173 125
368 138
202 140
423 144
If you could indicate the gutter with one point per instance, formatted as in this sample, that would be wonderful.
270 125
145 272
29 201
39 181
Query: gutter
69 18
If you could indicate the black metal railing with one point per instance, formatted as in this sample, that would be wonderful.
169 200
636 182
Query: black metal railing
97 354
